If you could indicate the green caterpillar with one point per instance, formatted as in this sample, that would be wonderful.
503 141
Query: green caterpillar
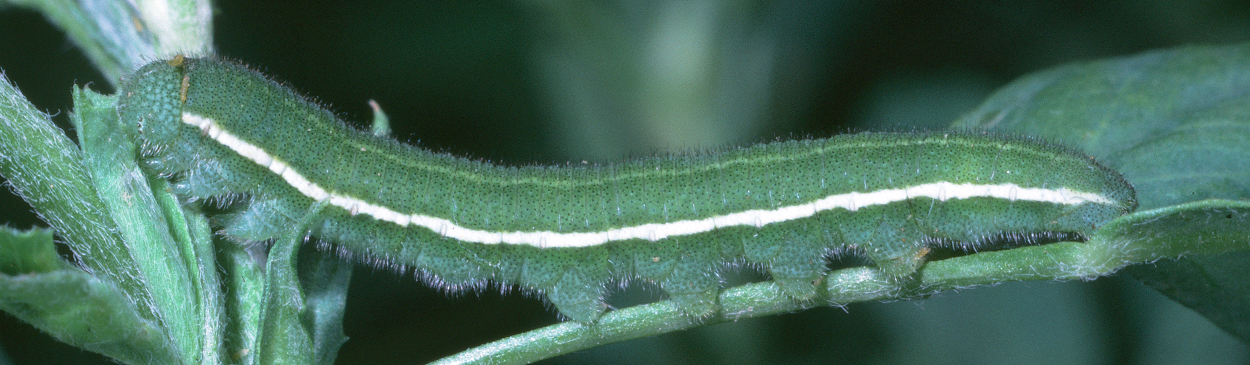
566 231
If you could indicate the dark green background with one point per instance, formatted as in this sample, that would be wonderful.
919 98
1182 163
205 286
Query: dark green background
461 78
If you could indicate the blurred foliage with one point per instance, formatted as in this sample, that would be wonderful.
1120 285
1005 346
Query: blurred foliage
501 80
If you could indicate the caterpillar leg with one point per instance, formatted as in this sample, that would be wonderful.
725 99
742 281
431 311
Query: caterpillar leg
798 269
797 262
578 296
572 280
694 284
897 247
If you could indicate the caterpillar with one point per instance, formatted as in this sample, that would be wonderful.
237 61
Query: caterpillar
222 130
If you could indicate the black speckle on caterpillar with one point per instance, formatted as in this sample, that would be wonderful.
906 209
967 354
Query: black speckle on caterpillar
565 231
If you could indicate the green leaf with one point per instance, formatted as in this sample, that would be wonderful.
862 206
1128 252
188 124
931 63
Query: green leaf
79 309
45 168
166 265
324 278
1208 285
1213 285
381 125
302 319
245 288
120 36
189 221
28 252
72 305
284 339
1176 123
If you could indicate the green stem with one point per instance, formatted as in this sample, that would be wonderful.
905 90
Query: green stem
1131 239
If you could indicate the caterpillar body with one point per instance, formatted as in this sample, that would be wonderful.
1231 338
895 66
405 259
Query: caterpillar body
566 231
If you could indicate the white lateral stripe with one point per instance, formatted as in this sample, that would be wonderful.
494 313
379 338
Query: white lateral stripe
652 231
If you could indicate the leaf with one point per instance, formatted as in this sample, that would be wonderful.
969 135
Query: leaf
302 318
245 285
1176 123
72 305
1203 284
44 167
188 220
1211 285
28 252
324 278
284 339
119 36
166 265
